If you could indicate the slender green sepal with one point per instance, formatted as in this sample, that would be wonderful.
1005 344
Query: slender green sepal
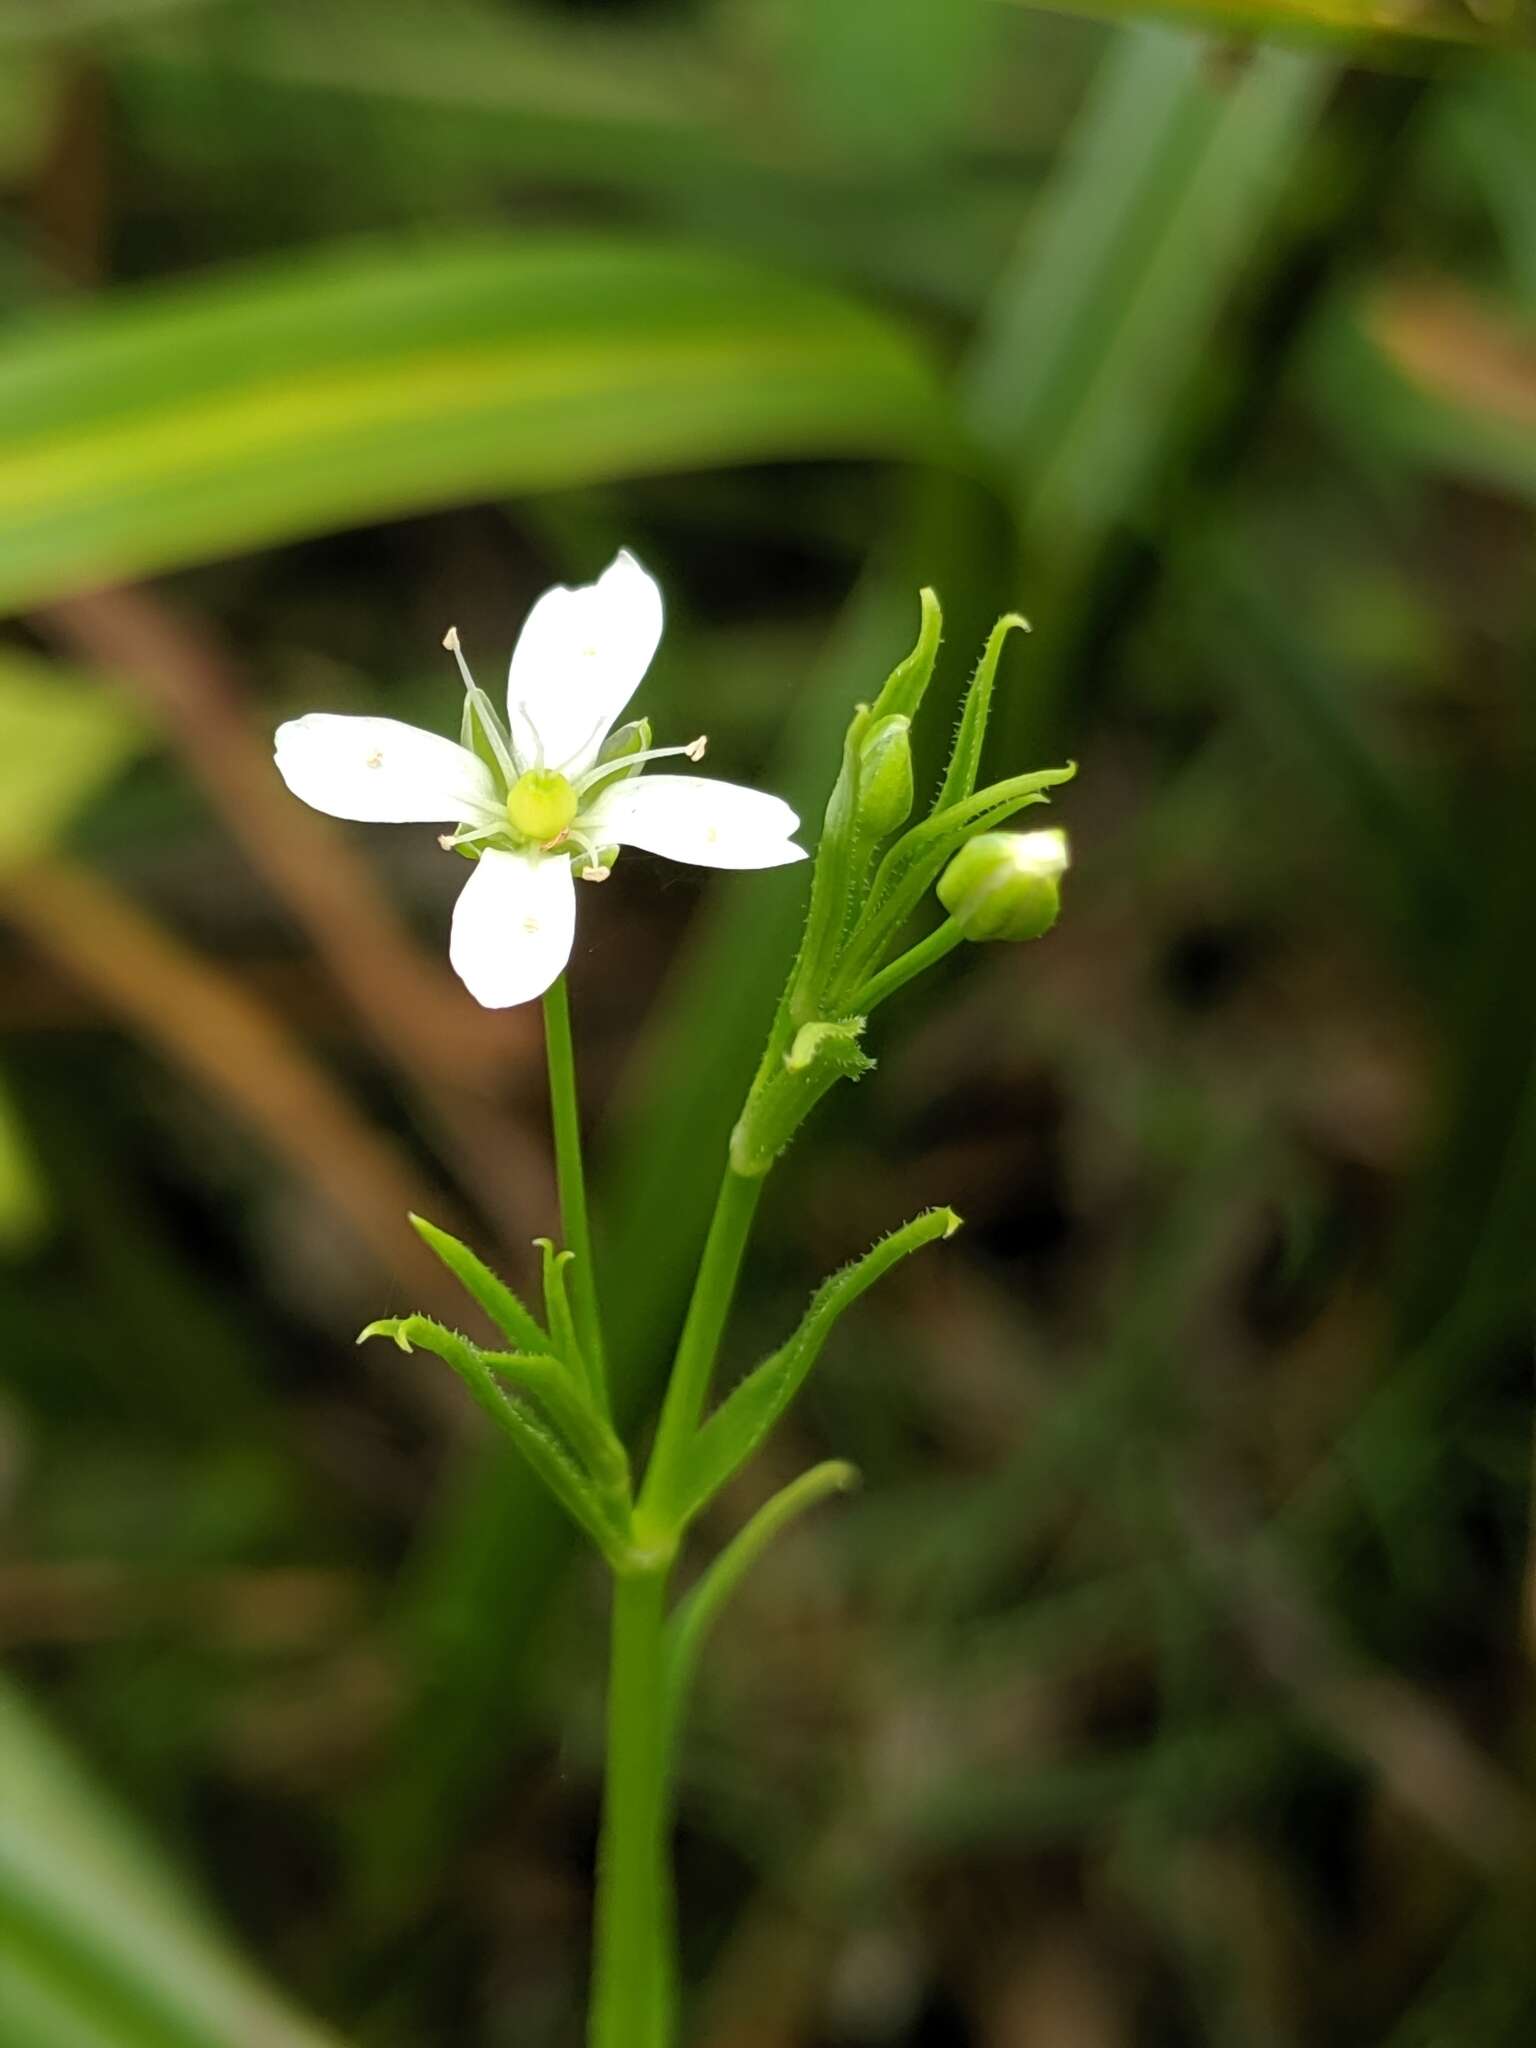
549 1459
783 1095
741 1422
696 1614
885 779
965 758
617 750
484 1287
903 688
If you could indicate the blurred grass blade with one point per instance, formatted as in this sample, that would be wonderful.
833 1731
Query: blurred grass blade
25 1209
359 384
1442 380
1093 341
1387 31
61 740
101 1945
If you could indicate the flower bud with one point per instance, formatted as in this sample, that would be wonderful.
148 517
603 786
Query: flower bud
1006 885
885 776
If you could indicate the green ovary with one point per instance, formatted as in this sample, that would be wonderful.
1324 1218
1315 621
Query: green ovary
540 805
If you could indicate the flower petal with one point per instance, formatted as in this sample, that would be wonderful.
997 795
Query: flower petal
577 663
692 818
512 926
381 771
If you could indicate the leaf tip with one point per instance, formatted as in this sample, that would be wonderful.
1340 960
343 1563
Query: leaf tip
386 1326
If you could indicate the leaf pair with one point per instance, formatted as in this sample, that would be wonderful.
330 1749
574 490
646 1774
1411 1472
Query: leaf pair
736 1429
542 1393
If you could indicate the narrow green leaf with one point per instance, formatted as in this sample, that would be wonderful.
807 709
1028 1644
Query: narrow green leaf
585 1504
347 385
737 1427
965 760
484 1287
697 1613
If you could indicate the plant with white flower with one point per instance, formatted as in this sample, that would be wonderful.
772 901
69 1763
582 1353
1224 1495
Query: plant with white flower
548 794
552 794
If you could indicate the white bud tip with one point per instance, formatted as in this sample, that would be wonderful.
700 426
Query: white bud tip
445 841
451 639
596 874
695 748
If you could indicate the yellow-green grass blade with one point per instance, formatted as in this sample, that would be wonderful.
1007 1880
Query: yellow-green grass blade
360 384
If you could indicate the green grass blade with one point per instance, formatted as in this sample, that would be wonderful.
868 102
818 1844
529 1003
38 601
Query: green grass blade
100 1938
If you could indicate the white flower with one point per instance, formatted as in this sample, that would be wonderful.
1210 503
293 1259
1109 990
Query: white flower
551 793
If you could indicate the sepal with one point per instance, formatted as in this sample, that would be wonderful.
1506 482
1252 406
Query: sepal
885 778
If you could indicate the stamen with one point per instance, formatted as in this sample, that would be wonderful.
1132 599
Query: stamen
694 750
467 835
594 871
490 725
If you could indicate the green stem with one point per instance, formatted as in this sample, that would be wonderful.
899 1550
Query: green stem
571 1182
634 1996
901 970
688 1387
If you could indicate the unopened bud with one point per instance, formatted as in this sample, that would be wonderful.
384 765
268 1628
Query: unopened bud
1006 885
885 776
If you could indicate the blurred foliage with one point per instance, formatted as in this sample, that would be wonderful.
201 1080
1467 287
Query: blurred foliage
1170 1679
